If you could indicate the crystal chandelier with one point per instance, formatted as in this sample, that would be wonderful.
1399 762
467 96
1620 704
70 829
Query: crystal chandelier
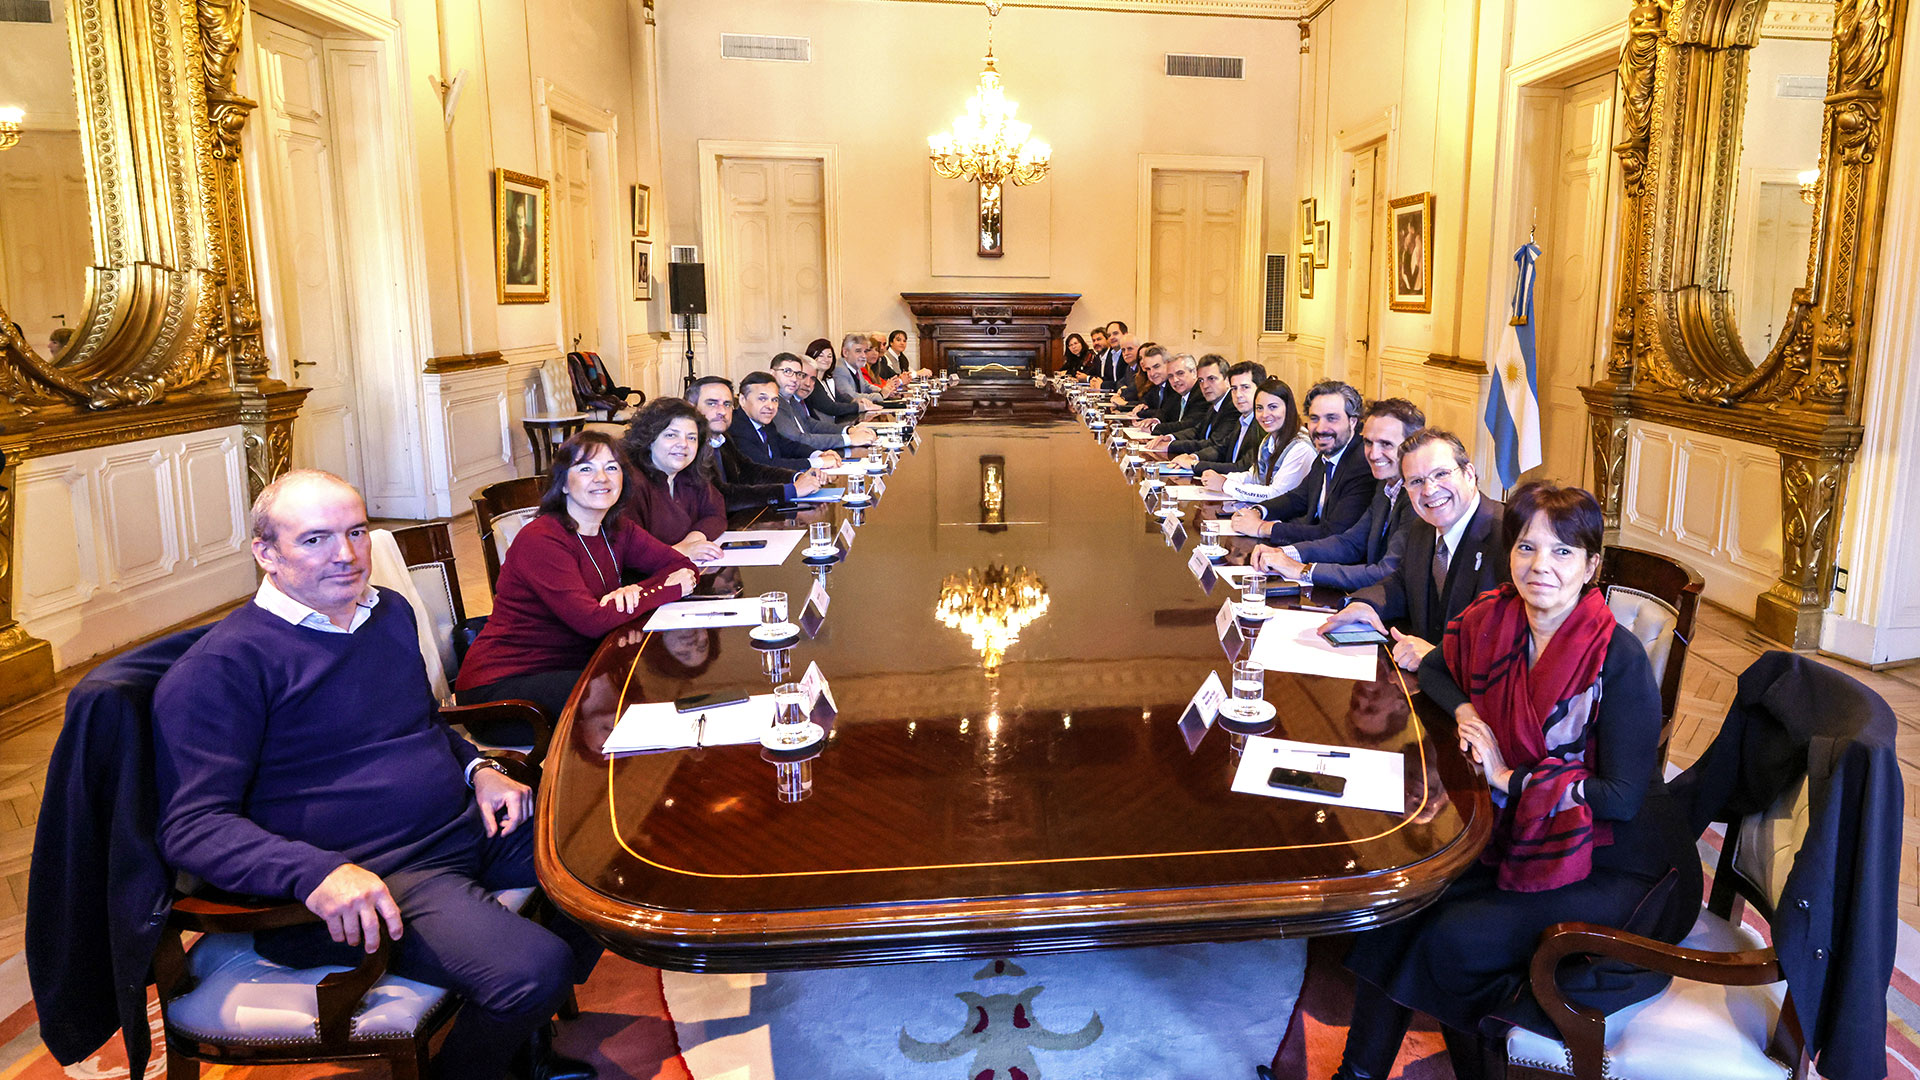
988 144
992 606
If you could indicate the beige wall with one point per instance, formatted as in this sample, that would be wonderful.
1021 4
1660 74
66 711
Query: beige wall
884 75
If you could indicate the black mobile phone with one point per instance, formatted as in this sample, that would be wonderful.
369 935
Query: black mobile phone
735 545
1313 783
1355 634
707 701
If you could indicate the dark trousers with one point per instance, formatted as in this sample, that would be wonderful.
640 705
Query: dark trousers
511 972
547 689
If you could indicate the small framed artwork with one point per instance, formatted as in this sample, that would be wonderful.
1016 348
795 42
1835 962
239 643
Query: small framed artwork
1306 275
1322 244
1410 251
1309 213
643 270
642 208
521 237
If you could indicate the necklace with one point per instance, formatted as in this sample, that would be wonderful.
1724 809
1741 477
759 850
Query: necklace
601 574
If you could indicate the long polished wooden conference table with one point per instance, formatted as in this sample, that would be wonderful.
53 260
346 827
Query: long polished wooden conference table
1050 804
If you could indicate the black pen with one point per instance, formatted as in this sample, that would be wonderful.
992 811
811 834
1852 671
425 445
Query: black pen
1316 609
1325 753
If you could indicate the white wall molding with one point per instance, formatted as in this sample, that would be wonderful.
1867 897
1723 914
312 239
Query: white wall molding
128 540
1244 9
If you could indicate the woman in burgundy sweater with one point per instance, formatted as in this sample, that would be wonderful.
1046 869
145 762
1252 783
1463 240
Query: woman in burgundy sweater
559 591
672 498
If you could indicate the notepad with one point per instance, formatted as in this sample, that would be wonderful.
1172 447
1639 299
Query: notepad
1291 641
657 725
1376 779
824 495
1196 493
704 614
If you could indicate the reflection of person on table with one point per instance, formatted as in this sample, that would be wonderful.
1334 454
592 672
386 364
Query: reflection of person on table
1563 720
1285 454
559 591
672 497
1454 555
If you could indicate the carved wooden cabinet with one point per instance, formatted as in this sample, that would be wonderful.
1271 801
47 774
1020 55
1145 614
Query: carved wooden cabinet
991 335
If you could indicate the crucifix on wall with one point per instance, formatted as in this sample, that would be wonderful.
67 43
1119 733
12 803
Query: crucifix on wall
990 231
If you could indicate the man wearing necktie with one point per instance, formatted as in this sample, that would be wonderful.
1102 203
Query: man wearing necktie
1238 438
1372 547
1335 492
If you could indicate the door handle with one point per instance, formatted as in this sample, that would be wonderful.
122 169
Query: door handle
1365 342
306 363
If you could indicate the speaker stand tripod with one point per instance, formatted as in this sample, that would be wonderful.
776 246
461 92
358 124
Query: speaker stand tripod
688 384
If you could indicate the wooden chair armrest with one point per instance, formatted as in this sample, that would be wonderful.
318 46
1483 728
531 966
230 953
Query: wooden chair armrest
338 995
226 914
1584 1030
525 712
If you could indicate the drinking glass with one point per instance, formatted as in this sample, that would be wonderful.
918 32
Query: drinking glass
773 608
1249 682
789 714
819 534
1254 593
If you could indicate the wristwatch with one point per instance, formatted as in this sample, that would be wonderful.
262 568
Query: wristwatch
479 763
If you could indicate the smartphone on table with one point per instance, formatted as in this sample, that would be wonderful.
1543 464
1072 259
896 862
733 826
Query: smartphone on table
1355 634
1311 783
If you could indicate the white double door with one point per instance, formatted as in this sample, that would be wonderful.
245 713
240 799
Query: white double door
1196 235
773 259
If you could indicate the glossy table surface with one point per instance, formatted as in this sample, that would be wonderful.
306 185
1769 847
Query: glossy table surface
952 812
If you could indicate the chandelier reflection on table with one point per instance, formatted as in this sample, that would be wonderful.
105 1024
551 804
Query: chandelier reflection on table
992 606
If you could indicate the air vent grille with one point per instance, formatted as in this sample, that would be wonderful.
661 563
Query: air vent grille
1195 66
797 50
1275 321
683 253
26 11
1800 86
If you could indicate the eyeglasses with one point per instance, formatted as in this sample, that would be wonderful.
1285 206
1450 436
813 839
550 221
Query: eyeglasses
1437 476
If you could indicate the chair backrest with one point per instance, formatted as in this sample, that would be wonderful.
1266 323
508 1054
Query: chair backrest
1656 598
428 552
586 389
499 511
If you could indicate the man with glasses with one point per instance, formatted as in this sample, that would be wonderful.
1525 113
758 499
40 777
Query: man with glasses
1338 486
742 482
797 422
1369 550
1459 552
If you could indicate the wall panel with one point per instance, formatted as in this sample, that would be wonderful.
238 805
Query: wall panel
1712 503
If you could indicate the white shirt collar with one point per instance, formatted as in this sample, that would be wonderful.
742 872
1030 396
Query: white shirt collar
1452 536
282 606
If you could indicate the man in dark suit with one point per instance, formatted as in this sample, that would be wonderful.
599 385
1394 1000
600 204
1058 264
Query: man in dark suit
1141 396
1336 490
1458 552
754 434
1369 550
742 482
1233 444
1116 368
1180 401
1212 412
797 422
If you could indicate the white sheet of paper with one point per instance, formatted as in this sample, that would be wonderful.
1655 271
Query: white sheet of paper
845 468
1376 779
1196 493
704 614
1137 435
1291 641
780 544
1235 576
657 725
1215 526
824 495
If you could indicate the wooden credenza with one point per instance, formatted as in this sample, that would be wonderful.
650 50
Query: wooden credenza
991 335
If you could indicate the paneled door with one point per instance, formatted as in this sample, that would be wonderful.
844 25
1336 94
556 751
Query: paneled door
1196 233
1362 280
306 315
578 259
1572 259
773 260
45 238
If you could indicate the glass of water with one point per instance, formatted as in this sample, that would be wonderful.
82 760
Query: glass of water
1249 683
1254 592
773 608
819 534
789 714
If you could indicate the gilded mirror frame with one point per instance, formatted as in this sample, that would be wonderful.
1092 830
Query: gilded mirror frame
170 338
1676 356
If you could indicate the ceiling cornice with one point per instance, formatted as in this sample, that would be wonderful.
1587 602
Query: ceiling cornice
1243 9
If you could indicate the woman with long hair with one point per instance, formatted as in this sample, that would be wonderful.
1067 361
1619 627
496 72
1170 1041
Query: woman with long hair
1285 454
1075 356
560 587
826 399
672 497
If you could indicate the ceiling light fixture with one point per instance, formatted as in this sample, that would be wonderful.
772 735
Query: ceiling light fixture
990 146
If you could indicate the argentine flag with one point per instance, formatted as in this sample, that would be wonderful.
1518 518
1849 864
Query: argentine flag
1513 401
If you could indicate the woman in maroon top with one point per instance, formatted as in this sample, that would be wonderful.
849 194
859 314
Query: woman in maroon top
559 591
672 497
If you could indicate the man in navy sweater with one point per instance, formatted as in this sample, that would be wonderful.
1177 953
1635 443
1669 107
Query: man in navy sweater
299 754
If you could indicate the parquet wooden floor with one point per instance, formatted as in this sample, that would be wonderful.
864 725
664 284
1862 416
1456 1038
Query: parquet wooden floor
1724 644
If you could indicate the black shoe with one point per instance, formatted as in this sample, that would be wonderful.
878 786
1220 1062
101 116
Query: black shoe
540 1061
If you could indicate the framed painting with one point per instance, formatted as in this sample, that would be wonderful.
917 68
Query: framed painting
643 270
1322 244
1305 277
1309 213
1410 253
642 209
522 237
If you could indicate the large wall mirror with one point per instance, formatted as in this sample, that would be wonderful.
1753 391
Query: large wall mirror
46 228
1754 157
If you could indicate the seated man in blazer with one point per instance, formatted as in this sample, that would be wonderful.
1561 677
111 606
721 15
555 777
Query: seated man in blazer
797 422
1213 411
742 481
1180 400
1233 444
1370 549
754 433
1336 490
1118 367
1457 552
1141 395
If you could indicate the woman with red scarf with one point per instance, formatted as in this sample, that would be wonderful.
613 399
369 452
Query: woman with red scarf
1557 706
